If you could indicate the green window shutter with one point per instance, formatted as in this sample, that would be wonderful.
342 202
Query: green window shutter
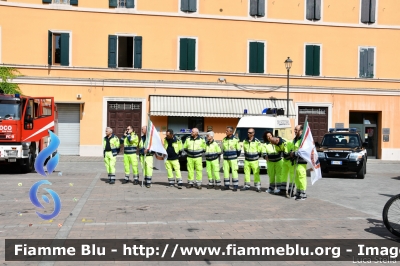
192 5
130 3
191 54
309 60
372 9
253 7
316 60
363 62
185 5
138 52
317 10
46 1
73 2
370 65
261 8
365 11
113 3
310 9
183 54
64 45
253 57
112 51
260 57
50 48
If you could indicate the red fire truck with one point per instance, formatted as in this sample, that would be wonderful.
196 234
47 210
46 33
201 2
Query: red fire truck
24 125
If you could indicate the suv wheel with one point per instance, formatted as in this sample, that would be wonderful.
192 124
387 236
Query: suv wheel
361 173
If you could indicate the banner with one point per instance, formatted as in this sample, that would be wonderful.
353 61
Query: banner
153 141
308 152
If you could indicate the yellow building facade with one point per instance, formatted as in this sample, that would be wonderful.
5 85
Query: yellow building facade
183 62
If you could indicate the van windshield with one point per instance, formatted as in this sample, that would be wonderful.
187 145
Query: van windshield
241 133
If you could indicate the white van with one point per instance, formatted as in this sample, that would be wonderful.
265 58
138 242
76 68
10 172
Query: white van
278 125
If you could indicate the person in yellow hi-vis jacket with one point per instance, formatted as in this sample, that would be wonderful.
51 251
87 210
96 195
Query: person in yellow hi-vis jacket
288 168
231 150
130 141
273 155
146 159
110 151
194 147
300 178
281 146
252 150
213 151
173 146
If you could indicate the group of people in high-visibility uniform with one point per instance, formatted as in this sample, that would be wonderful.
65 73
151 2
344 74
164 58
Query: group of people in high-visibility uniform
132 145
283 160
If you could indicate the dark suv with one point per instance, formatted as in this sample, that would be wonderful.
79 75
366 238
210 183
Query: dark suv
342 150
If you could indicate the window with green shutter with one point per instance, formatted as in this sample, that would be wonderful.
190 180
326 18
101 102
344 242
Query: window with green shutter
367 61
368 9
125 51
58 48
313 54
313 9
257 8
256 57
187 54
188 5
113 3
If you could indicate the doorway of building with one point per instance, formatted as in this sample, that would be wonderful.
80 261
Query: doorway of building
123 114
367 127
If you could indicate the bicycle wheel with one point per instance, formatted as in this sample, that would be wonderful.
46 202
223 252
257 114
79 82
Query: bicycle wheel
391 215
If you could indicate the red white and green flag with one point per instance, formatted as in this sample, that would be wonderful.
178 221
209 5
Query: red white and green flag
153 141
308 152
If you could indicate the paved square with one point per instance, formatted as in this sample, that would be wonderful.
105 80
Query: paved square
338 207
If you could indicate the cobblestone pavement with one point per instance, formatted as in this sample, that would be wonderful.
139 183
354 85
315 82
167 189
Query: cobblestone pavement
338 207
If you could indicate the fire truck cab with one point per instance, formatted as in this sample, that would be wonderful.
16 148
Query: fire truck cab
24 125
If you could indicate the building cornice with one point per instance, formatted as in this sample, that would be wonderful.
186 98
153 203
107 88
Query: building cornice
200 86
65 7
208 73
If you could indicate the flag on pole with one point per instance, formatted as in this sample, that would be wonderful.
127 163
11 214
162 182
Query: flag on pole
308 152
153 141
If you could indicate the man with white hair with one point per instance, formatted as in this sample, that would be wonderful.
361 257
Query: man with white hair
213 151
194 147
110 151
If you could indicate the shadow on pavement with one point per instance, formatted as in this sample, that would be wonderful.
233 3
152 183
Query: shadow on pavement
396 177
387 195
379 229
340 175
11 170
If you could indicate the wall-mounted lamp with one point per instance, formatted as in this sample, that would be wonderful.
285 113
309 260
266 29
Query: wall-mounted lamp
79 96
221 79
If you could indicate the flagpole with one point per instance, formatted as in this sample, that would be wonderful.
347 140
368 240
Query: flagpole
145 146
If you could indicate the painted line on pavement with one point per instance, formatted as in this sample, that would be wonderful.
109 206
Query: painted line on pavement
192 222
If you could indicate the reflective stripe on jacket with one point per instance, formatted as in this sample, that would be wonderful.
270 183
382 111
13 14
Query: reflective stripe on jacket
252 149
231 148
272 152
194 147
114 143
296 146
130 143
213 151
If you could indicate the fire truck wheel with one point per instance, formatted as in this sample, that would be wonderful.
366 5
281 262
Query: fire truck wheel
28 164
